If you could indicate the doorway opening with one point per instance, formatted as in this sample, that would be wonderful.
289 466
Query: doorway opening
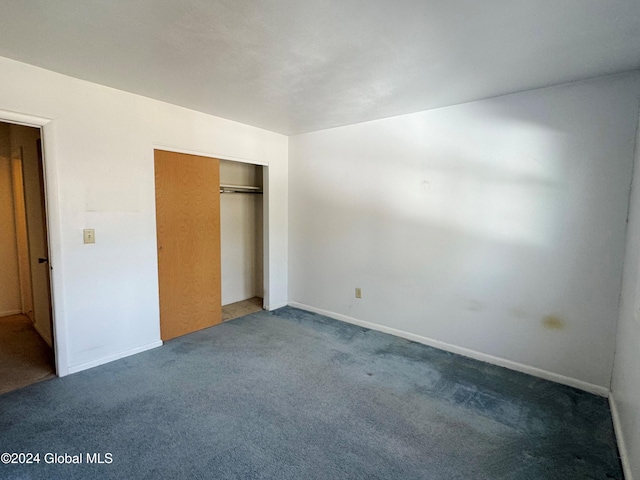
26 321
241 232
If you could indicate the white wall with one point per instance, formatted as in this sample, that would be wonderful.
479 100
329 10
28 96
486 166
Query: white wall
10 299
241 234
625 387
496 226
99 173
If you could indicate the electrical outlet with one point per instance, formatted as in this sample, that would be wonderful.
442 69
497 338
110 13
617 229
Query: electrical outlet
358 292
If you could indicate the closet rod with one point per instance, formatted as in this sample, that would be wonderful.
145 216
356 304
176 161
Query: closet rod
244 187
239 189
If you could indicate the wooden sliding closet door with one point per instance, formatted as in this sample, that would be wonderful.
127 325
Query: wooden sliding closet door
188 230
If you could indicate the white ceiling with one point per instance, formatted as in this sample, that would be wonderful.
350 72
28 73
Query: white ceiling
295 66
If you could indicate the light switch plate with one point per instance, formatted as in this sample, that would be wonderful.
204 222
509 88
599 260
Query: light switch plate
89 235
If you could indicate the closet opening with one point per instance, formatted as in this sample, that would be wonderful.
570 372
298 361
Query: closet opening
241 235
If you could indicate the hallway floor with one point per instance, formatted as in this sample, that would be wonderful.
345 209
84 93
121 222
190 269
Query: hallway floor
25 358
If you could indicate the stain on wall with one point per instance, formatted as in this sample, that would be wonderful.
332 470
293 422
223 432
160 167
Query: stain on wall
553 322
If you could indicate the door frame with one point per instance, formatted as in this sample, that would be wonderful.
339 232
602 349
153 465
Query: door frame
22 230
54 229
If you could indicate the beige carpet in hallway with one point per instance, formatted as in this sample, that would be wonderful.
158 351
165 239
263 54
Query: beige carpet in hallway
240 309
25 358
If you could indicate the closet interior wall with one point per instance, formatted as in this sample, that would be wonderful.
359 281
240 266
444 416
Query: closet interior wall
241 220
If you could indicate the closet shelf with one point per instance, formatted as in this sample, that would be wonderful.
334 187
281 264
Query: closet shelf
240 189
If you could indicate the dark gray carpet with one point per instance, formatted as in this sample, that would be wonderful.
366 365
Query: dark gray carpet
293 395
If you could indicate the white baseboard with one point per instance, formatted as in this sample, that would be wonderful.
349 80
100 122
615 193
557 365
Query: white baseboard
622 447
276 306
116 356
483 357
10 312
